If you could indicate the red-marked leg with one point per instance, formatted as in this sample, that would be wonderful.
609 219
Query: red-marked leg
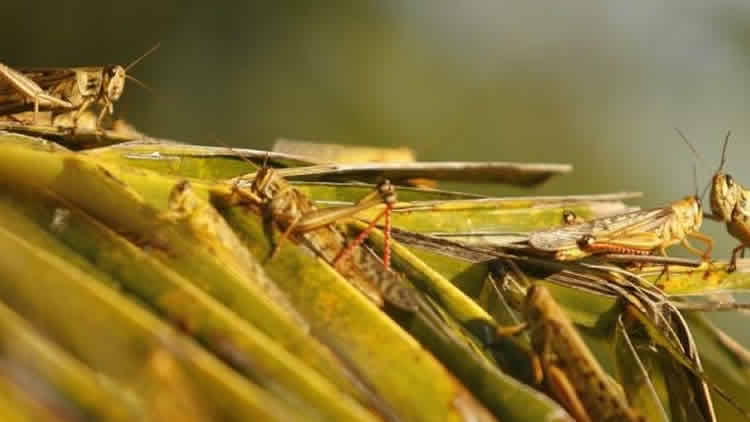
387 238
664 271
358 240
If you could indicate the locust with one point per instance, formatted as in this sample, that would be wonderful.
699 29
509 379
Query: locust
657 312
730 203
663 321
571 371
62 90
641 232
298 217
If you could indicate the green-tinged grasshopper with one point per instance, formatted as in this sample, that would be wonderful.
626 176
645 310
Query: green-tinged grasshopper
296 216
664 323
63 89
571 371
640 232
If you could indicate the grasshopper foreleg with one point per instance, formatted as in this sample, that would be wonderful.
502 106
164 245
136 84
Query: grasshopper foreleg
733 262
284 236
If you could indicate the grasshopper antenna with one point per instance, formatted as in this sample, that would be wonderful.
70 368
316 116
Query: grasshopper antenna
695 180
690 145
142 56
721 163
695 171
724 151
265 160
139 83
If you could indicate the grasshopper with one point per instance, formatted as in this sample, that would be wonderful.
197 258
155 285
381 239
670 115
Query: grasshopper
640 232
725 192
664 323
64 89
572 373
635 233
297 216
730 203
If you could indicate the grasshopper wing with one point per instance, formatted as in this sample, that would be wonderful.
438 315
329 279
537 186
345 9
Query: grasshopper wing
48 77
608 228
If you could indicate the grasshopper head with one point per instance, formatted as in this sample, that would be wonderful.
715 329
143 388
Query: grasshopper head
263 184
724 195
697 211
724 191
689 211
387 192
114 82
569 218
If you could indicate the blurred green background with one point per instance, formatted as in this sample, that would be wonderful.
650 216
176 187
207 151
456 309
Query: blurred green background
601 85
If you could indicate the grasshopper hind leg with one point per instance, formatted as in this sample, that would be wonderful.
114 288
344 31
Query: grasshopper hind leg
560 386
363 235
664 272
739 250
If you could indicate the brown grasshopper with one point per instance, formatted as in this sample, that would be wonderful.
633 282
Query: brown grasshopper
640 232
297 216
64 89
660 316
571 371
730 203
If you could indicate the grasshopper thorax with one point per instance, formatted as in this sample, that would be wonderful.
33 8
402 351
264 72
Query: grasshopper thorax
113 82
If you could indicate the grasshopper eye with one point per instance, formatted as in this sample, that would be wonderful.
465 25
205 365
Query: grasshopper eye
729 181
586 241
569 217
